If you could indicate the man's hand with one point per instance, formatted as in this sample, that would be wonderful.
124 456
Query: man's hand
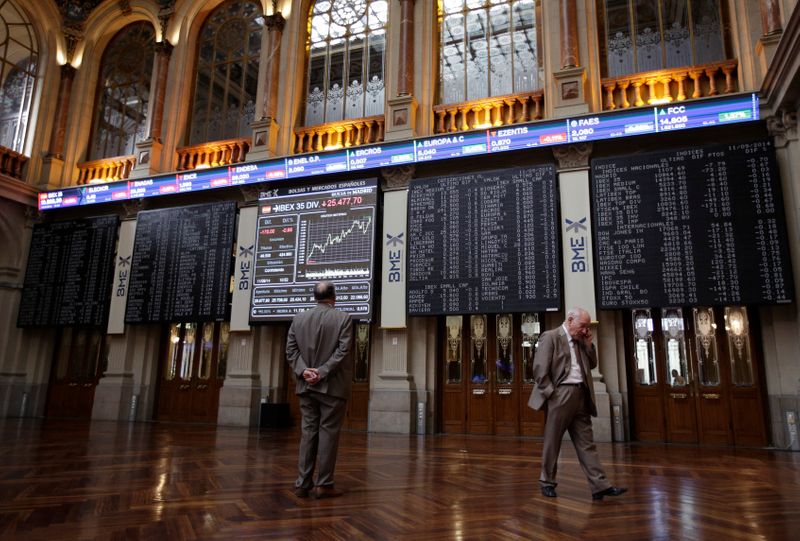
587 338
311 375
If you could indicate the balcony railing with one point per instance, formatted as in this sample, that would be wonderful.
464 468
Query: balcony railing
213 154
347 133
105 170
664 86
12 163
488 112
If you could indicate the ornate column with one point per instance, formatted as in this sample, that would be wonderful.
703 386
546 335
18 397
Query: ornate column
771 17
148 152
53 161
569 34
392 404
401 116
578 264
772 29
570 80
265 128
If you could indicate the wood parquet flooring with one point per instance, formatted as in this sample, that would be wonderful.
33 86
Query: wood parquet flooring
64 480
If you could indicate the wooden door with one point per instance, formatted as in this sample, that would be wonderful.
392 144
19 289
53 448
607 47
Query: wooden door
696 377
77 367
487 374
357 417
192 371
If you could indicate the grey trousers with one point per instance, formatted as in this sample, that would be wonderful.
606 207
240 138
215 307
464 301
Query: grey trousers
568 411
322 420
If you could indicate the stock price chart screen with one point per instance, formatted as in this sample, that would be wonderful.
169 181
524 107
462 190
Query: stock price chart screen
313 233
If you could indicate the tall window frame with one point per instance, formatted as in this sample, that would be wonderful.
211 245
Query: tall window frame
345 76
226 73
638 36
123 92
489 48
19 63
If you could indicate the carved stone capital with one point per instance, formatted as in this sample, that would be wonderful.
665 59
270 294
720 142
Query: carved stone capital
131 208
275 22
33 216
164 48
782 126
398 177
165 12
68 71
249 193
575 156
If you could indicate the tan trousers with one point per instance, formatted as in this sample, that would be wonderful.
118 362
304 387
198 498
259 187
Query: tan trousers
568 411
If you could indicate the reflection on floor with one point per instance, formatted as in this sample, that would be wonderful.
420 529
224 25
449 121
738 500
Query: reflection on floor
70 480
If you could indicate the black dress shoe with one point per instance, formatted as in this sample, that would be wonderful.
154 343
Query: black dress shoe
549 491
610 491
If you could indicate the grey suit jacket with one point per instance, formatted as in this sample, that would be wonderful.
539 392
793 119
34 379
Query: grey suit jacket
551 366
320 338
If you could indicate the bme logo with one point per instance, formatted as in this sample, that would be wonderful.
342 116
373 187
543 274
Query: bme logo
395 257
577 243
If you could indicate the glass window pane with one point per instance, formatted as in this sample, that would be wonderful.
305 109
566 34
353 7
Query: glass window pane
453 62
478 351
126 70
504 365
526 65
705 330
707 27
172 352
225 81
648 35
224 343
644 347
737 328
187 352
375 84
477 56
207 352
676 33
620 60
454 333
500 51
672 329
18 67
530 338
355 79
361 372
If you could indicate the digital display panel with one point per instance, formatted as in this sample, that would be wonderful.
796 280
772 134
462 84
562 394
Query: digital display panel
695 227
484 242
313 233
682 115
69 273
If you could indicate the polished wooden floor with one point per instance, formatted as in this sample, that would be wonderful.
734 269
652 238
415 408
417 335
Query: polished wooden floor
69 480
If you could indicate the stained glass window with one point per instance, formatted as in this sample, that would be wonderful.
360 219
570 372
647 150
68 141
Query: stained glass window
647 35
19 60
346 44
123 92
226 80
489 48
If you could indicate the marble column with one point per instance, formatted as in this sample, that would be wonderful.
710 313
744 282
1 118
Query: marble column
265 127
771 17
772 30
401 116
53 161
148 152
570 79
568 17
578 262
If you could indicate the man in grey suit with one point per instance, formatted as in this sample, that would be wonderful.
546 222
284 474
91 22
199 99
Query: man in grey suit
317 349
563 387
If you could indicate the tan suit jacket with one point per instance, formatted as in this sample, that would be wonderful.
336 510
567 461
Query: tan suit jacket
320 338
551 366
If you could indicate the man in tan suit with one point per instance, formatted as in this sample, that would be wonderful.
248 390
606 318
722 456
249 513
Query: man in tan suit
317 349
563 387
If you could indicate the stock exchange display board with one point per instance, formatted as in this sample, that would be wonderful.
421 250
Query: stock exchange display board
484 242
181 265
69 274
311 233
701 226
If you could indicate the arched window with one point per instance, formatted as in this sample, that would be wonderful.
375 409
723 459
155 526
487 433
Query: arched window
647 35
19 59
489 48
346 42
123 92
226 80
